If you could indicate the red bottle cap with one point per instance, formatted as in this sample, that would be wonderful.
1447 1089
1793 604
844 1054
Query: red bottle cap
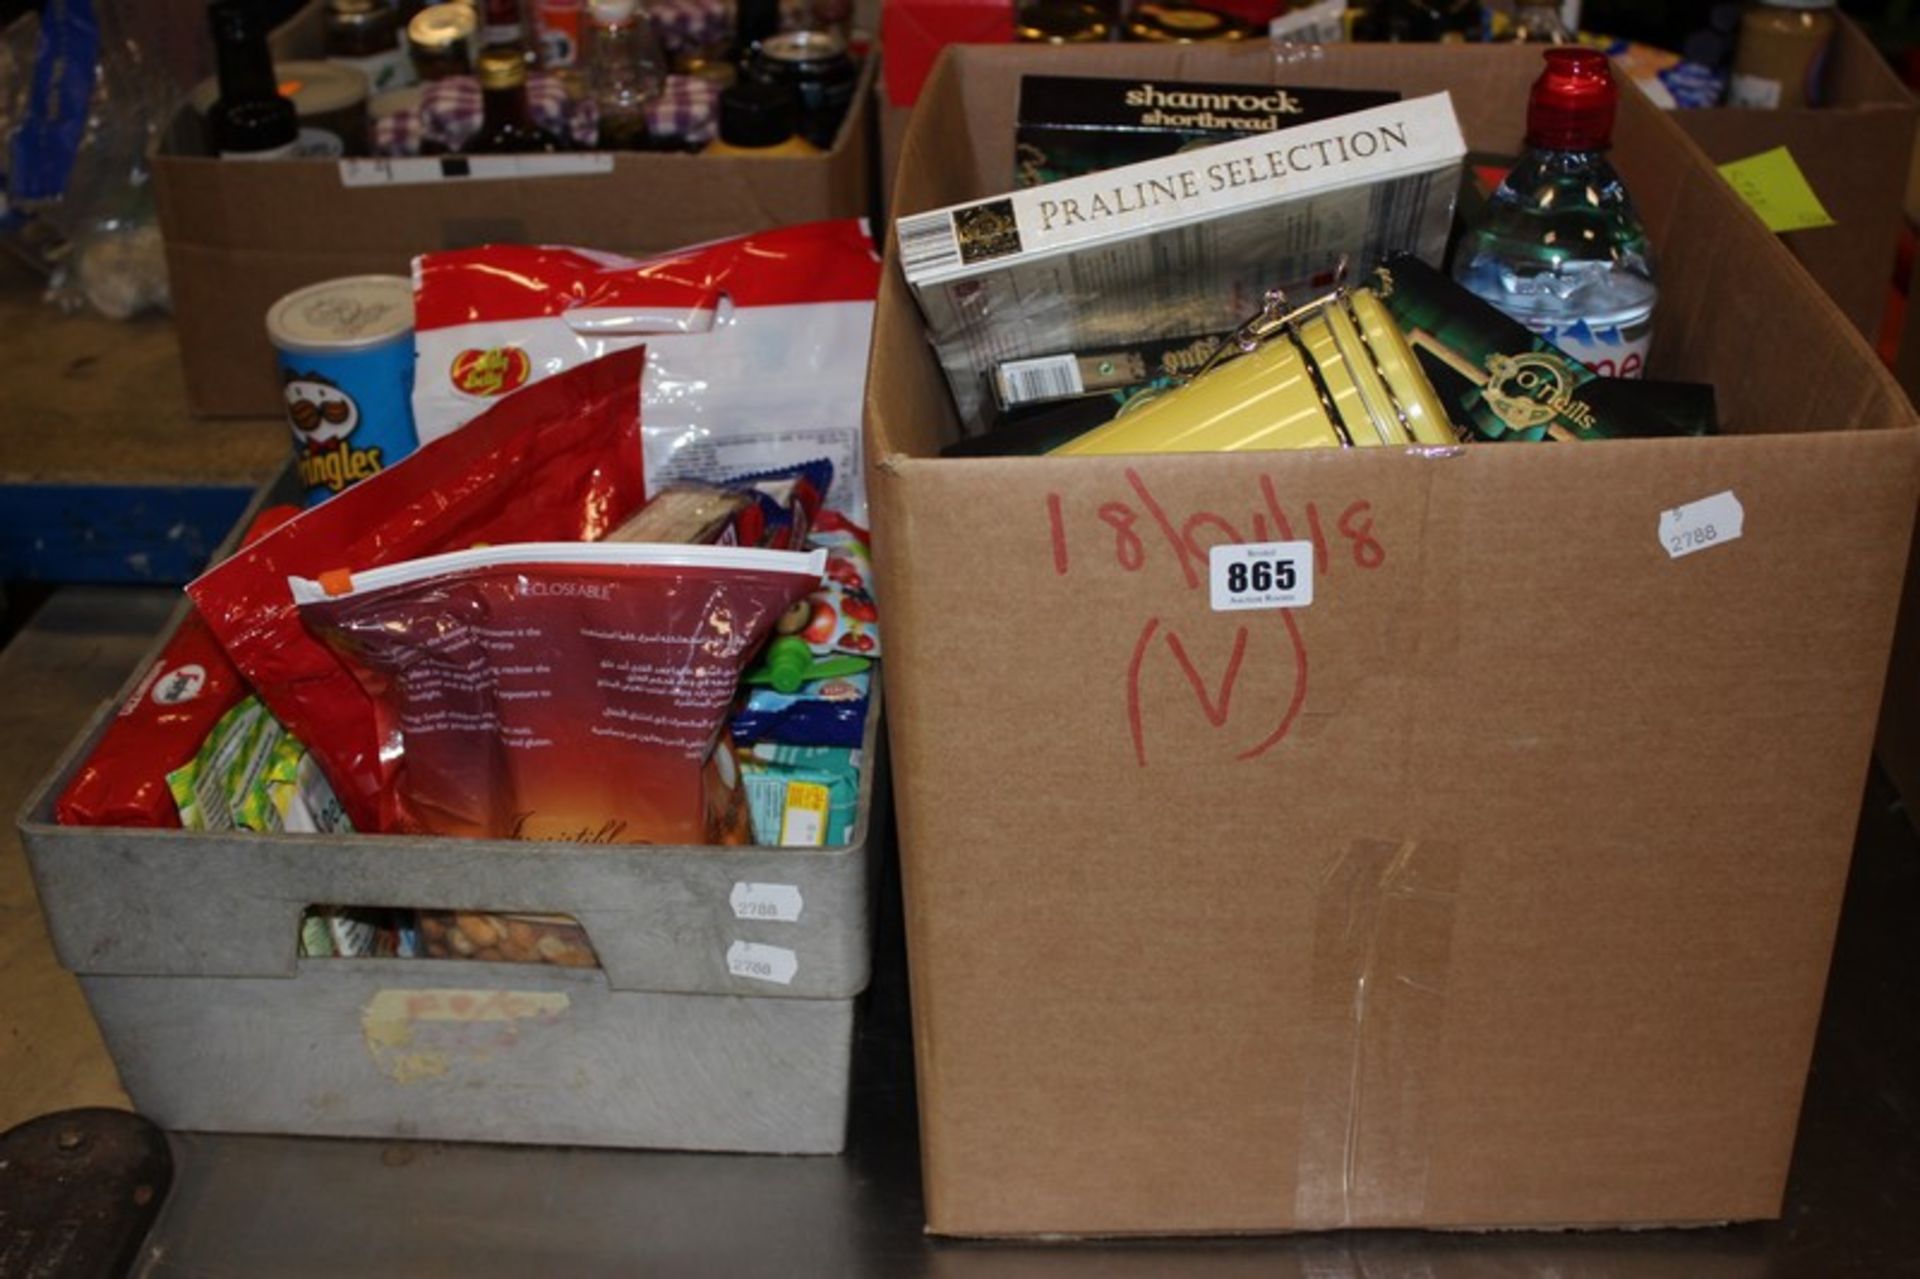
1573 101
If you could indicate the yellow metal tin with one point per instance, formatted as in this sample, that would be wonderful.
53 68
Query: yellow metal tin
1423 419
1336 374
1263 400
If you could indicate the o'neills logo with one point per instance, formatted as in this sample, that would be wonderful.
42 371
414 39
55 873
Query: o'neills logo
494 371
1530 389
1279 101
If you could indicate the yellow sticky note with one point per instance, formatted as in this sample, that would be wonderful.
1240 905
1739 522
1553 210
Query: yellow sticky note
1773 184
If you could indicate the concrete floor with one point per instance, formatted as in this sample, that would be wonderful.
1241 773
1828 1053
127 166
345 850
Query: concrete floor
53 676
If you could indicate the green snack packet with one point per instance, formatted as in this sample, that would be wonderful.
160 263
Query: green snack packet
185 799
251 774
201 787
316 939
298 792
249 799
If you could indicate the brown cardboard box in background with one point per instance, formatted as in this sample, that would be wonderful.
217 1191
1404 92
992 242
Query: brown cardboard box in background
893 135
1496 887
1898 746
1856 153
239 236
1898 743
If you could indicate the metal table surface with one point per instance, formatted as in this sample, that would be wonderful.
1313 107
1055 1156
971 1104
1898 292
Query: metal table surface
260 1206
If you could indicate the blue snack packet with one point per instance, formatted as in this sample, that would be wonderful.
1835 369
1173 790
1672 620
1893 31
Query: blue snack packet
825 712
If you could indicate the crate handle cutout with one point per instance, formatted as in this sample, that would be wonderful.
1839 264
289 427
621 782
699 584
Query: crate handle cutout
501 938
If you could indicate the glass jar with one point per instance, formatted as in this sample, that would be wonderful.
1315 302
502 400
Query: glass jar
1060 22
441 38
365 35
1782 53
1183 24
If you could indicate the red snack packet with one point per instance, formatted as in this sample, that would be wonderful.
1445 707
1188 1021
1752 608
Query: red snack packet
560 691
161 724
559 461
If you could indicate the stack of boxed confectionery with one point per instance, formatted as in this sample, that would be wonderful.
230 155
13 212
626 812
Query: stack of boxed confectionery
515 776
1743 81
612 124
1456 552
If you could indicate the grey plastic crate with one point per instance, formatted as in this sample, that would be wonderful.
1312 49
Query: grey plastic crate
445 1050
721 1017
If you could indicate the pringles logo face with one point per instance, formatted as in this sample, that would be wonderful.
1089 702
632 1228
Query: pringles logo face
494 371
324 417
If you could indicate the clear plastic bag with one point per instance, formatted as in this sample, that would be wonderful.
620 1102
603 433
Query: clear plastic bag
85 109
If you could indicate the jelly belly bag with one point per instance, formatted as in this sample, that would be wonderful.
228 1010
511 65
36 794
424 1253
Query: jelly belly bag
560 462
756 346
562 691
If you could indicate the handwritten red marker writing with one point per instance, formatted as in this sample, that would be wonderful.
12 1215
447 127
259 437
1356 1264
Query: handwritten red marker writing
1138 530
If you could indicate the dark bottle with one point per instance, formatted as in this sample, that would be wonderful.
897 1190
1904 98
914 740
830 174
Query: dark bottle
760 119
817 67
505 27
250 120
756 20
507 126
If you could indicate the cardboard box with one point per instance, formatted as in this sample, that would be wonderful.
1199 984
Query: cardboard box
1855 152
1898 745
1494 888
241 236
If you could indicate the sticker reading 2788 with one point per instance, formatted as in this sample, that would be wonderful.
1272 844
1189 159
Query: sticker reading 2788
1262 575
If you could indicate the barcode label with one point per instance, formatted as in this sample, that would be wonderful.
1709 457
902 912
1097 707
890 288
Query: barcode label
927 243
1052 377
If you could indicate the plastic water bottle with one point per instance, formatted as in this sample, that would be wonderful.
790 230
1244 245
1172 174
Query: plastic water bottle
1560 248
625 71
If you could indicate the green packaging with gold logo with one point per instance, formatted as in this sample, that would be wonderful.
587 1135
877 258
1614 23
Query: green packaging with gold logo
1500 381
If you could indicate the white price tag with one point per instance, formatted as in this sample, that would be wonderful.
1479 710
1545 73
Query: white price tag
777 903
414 170
776 964
1696 526
1262 575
